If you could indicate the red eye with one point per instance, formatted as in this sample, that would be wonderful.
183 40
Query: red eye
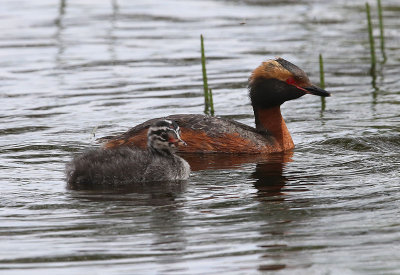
290 81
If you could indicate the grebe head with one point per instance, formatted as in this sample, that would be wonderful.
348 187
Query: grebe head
164 136
276 81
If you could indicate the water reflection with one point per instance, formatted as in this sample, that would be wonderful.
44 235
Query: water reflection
269 174
111 35
279 220
150 194
166 224
154 210
59 39
200 162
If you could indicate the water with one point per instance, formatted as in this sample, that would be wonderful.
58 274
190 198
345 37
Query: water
74 69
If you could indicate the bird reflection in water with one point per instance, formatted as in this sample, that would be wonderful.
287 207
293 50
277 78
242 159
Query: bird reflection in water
142 194
268 173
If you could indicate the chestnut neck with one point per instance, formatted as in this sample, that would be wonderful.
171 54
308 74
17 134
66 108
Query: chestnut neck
271 120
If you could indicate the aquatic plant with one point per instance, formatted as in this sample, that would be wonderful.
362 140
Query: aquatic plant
371 38
208 97
204 71
322 79
211 102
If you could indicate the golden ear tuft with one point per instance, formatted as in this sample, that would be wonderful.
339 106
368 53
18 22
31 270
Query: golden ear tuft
270 69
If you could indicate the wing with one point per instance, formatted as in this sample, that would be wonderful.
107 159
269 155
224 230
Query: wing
203 134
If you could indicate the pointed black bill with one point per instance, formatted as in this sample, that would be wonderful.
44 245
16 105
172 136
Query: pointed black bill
314 90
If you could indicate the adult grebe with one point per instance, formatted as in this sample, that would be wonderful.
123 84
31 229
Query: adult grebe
271 84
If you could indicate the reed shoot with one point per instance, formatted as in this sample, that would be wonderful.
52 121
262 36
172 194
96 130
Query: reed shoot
208 96
322 79
211 102
205 84
321 72
371 38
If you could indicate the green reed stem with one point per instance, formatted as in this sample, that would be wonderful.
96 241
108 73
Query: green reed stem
381 29
371 38
205 84
211 101
322 79
321 72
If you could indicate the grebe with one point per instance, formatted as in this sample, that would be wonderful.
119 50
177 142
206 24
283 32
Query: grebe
125 165
271 84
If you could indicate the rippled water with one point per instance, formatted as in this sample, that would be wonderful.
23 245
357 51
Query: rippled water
72 71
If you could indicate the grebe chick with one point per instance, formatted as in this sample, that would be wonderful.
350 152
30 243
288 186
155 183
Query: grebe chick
271 84
125 165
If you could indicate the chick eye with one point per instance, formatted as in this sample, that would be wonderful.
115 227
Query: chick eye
164 136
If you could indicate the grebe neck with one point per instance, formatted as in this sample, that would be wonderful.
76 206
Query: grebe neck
271 120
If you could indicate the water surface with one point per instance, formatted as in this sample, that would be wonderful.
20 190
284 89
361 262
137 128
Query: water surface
72 71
